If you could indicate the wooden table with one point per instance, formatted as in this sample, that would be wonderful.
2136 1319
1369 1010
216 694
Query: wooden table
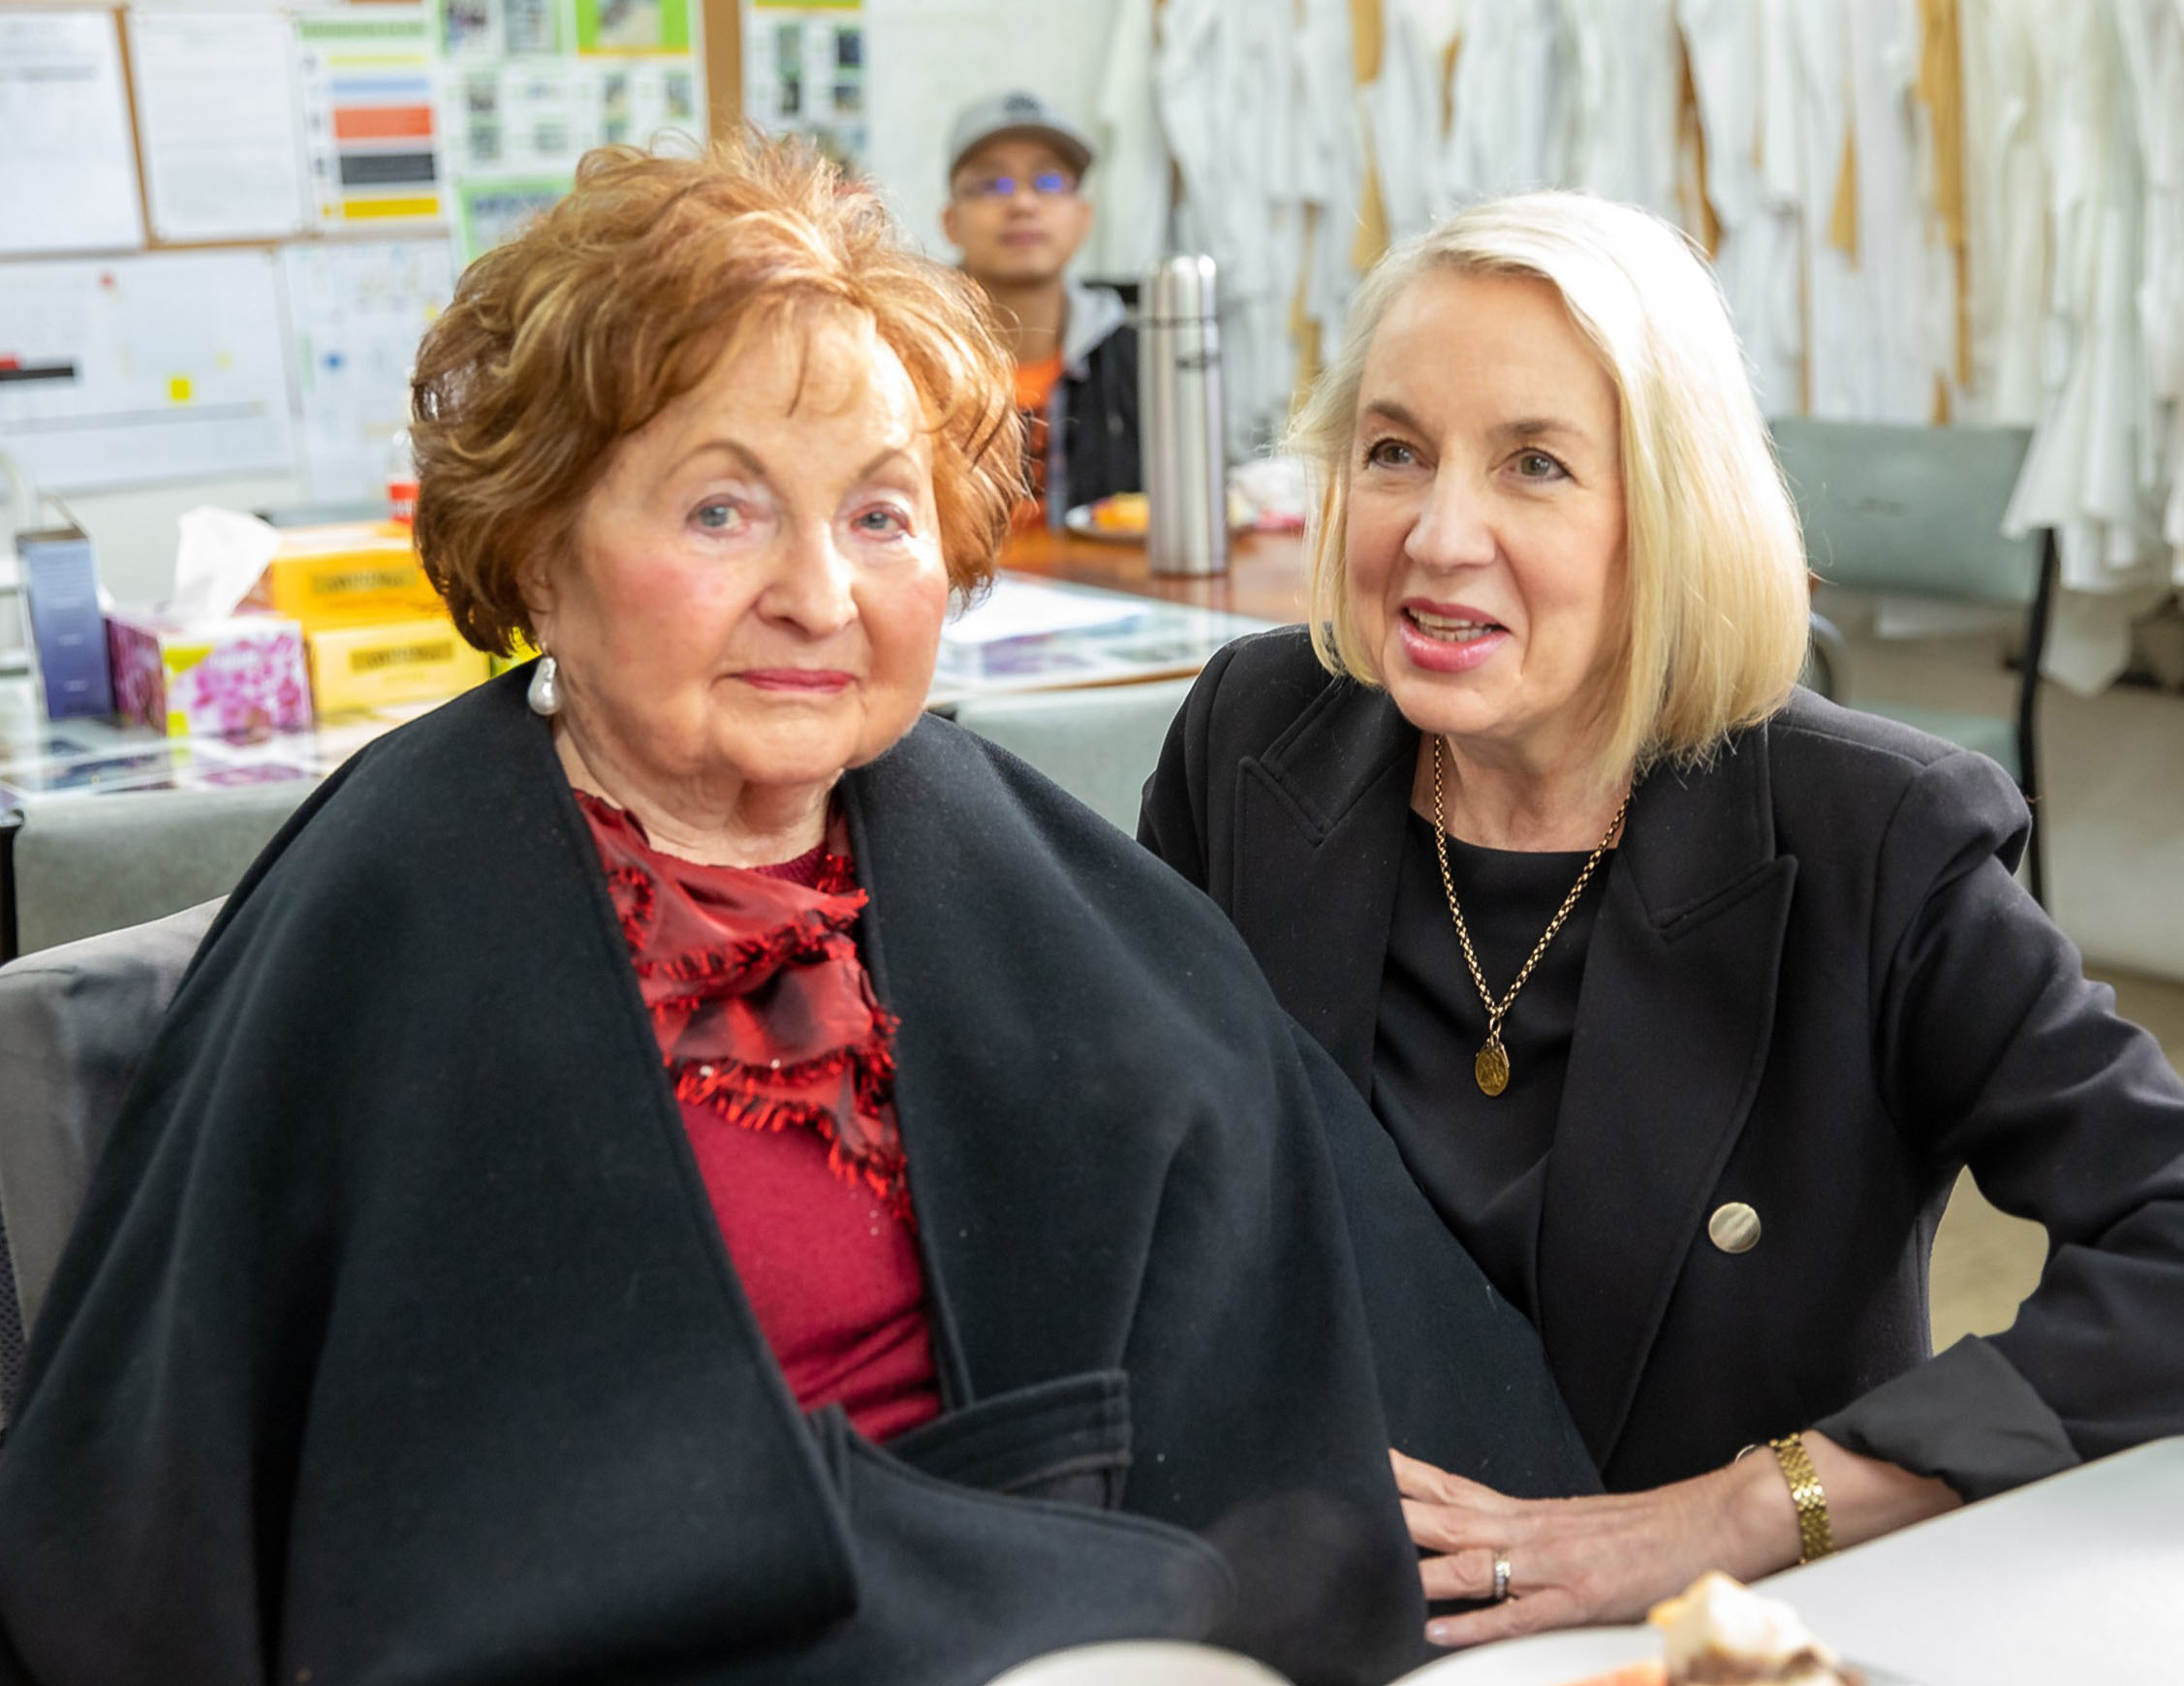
1265 575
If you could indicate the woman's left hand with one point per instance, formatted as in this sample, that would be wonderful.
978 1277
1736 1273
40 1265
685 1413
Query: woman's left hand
1579 1561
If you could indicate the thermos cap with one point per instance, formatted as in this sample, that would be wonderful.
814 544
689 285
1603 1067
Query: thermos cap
1180 290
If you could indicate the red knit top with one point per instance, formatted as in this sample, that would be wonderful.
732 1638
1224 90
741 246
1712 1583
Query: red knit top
783 1061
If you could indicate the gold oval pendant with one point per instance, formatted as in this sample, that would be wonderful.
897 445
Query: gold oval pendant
1491 1067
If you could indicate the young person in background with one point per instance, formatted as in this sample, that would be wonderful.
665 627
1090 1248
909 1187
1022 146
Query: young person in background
1014 209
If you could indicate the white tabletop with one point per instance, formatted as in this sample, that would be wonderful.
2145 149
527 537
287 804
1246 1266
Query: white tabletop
2078 1578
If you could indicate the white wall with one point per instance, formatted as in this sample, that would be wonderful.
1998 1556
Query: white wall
927 57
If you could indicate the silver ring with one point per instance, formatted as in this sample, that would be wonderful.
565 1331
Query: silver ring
1501 1575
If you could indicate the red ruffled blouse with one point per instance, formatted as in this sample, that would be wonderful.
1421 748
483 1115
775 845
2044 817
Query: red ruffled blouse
783 1060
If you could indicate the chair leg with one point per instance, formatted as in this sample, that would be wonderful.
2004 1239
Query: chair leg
11 822
2028 702
1828 659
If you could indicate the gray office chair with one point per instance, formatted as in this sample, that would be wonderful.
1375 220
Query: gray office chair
1916 512
1099 743
72 869
75 1021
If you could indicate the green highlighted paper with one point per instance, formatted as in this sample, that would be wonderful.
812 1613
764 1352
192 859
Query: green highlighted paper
652 26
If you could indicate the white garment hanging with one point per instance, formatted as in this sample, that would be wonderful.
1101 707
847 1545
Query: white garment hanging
2007 195
1330 172
1740 65
1870 312
2082 474
1213 79
1509 88
2152 38
1624 76
1129 184
1402 111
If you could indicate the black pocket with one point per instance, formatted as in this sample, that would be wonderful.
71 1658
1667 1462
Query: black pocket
1067 1440
956 1583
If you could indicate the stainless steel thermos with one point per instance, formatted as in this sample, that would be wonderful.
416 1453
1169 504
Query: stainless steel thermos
1180 419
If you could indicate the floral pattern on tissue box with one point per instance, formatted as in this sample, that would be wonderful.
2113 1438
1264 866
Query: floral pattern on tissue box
232 679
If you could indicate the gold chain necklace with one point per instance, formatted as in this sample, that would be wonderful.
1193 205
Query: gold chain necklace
1491 1066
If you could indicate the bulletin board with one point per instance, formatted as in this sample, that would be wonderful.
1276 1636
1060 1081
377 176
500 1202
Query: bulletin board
224 227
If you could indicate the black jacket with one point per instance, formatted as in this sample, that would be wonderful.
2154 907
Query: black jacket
1092 416
1814 987
397 1341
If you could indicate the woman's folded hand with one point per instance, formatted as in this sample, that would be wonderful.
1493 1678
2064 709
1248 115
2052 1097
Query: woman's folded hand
1582 1562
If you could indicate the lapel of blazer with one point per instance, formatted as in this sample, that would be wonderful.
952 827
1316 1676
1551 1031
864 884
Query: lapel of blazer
1674 1020
1318 845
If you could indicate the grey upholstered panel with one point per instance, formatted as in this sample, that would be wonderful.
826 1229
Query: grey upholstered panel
1099 744
75 1021
102 862
1910 511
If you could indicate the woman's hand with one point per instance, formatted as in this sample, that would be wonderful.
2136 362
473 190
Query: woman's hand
1580 1562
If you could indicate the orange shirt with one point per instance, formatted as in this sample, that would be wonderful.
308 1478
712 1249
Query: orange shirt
1035 386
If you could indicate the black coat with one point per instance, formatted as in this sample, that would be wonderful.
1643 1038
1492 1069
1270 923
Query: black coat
1096 401
1812 987
397 1341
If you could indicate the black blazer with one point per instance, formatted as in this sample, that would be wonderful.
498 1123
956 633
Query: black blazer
1814 987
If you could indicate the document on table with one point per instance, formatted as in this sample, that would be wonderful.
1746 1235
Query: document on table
216 108
68 176
1037 634
1014 608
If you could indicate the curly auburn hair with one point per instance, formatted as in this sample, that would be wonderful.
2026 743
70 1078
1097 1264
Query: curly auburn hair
617 301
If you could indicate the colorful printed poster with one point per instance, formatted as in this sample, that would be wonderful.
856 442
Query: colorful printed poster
495 29
370 127
493 211
805 74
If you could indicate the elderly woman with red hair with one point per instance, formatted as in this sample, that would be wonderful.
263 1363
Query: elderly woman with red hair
676 1166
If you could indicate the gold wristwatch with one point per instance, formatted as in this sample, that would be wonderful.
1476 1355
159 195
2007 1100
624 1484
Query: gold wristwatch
1815 1539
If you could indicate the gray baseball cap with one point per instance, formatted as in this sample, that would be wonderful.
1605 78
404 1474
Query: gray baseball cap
1016 113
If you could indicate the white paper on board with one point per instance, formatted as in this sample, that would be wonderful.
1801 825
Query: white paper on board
216 109
357 310
68 174
144 369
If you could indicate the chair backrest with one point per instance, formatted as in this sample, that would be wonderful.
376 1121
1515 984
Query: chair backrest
1910 511
75 1022
98 863
1099 743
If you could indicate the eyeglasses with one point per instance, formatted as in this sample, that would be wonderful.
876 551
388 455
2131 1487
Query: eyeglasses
1046 184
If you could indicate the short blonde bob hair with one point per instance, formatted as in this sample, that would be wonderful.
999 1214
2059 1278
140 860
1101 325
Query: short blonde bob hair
618 301
1716 607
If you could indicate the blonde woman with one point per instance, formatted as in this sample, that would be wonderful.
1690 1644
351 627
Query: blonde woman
1684 994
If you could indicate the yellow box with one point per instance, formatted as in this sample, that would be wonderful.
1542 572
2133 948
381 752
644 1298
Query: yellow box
406 661
515 658
346 575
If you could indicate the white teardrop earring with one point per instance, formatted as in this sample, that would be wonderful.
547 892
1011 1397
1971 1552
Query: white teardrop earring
545 695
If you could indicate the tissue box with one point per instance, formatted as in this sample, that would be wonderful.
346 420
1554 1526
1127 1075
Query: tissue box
239 677
419 660
345 574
